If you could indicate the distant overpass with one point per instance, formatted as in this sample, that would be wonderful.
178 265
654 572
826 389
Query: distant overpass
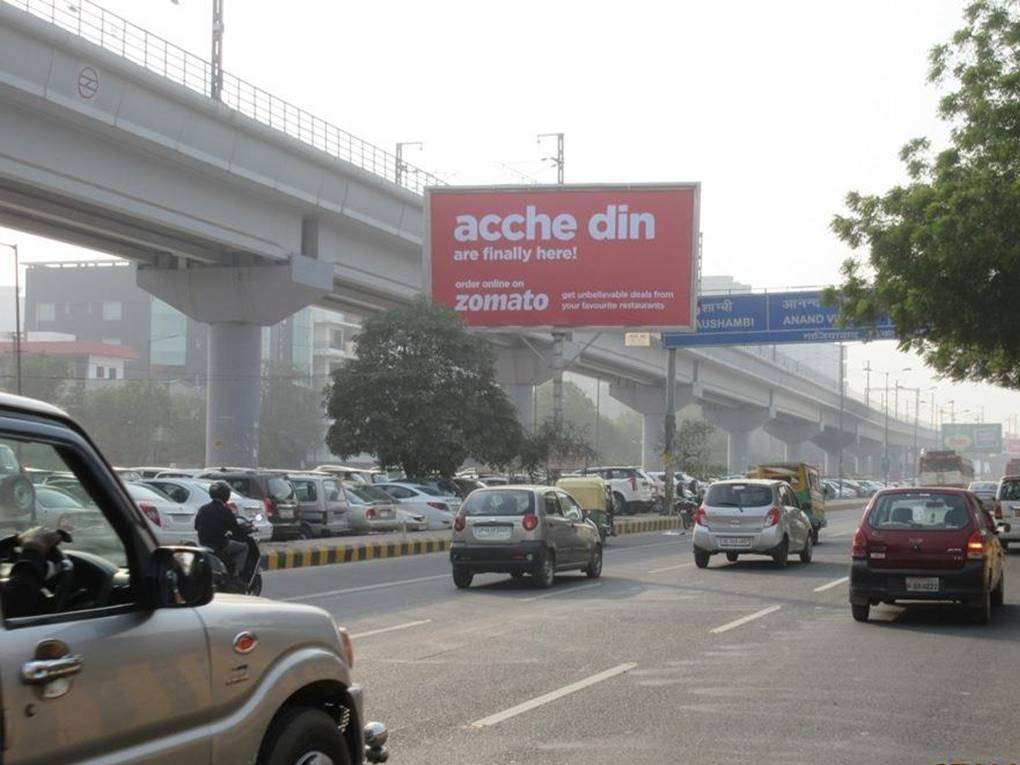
240 212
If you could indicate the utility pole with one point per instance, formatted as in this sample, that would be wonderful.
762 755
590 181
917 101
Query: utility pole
216 77
670 428
401 170
598 412
885 438
867 384
917 417
17 315
558 159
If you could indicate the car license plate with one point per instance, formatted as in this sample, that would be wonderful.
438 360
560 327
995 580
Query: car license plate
386 514
496 533
922 584
734 541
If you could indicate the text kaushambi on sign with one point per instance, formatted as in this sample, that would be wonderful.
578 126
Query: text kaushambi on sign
616 223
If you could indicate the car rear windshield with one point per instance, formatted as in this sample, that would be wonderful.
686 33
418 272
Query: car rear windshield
925 511
279 488
508 502
983 486
738 495
142 493
367 493
1010 490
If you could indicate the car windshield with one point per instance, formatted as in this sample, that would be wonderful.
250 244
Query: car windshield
360 493
146 493
738 495
983 486
502 502
280 488
930 511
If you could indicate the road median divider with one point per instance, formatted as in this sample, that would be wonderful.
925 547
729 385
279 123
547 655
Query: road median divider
332 553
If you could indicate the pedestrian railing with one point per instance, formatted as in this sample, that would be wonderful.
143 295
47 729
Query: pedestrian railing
115 34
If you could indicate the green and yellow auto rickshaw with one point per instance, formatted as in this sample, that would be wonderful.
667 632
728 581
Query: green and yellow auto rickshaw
595 498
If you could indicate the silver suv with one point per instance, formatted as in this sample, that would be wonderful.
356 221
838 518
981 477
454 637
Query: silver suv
520 530
115 649
751 516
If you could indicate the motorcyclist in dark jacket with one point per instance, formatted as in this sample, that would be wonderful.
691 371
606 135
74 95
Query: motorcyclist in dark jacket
215 522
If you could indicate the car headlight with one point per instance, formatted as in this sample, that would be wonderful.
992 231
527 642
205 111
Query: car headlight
346 644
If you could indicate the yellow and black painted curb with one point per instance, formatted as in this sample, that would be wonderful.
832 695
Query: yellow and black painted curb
305 557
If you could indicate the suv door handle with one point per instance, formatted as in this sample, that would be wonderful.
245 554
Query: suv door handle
42 671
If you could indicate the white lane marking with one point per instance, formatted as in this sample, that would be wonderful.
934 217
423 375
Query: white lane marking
671 568
749 618
564 591
566 690
394 628
674 543
365 588
830 585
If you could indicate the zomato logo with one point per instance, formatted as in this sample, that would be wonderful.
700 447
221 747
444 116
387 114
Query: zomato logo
617 222
505 301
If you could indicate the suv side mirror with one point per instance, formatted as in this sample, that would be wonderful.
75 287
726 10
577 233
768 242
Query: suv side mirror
181 577
1003 528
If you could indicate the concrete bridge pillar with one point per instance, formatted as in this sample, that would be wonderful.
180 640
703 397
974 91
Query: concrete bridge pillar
738 424
518 371
650 402
793 435
236 303
834 442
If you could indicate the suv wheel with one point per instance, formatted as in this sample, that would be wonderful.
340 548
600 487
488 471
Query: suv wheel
594 569
545 574
779 556
999 593
860 611
701 557
805 554
306 531
732 557
305 736
462 577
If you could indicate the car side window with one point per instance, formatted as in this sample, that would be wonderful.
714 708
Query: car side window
570 508
305 491
399 492
91 522
552 505
240 486
175 492
332 490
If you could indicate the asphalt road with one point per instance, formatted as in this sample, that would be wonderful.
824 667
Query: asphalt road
661 662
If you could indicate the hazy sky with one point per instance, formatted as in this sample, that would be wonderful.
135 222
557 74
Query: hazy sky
777 108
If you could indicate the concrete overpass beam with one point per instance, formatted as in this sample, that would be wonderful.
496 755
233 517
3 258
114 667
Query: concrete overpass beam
650 402
518 371
738 424
236 303
793 435
834 442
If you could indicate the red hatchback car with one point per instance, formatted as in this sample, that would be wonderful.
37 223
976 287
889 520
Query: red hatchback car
926 544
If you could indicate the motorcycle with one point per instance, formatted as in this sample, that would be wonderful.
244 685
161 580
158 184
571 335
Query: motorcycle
247 582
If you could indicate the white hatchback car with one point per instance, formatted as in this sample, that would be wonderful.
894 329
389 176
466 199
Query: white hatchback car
748 516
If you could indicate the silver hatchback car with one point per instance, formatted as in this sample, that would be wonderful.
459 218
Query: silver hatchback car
751 517
520 530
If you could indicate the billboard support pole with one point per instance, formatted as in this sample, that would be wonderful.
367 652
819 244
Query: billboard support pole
917 416
558 367
842 407
670 428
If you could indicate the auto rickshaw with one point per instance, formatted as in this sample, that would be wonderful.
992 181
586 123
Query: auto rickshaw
595 498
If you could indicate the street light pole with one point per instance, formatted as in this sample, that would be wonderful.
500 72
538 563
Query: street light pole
17 315
885 448
401 165
216 74
558 159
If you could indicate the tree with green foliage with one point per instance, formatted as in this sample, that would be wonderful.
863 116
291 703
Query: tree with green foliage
553 447
421 395
43 376
944 249
292 419
619 439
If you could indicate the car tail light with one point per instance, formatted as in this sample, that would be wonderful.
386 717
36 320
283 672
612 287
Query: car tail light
269 507
859 547
997 510
151 513
976 546
699 517
459 522
370 513
529 522
773 517
439 505
633 483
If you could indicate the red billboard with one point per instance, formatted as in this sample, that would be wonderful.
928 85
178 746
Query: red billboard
564 256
